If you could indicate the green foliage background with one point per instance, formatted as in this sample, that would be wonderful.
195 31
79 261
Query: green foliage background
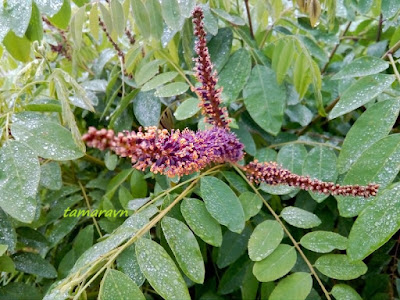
321 101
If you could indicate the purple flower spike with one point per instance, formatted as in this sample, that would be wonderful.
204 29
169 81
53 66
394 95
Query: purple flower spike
176 153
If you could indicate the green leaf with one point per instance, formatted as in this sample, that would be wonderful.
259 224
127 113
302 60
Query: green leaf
363 66
7 232
380 164
276 265
360 93
302 76
159 80
201 222
187 109
220 47
233 277
234 75
251 204
265 99
114 183
35 28
185 248
83 241
344 291
20 291
116 285
374 124
245 138
6 265
233 246
47 138
3 249
235 20
222 203
147 108
141 16
49 7
295 286
148 71
76 26
128 264
390 8
15 16
18 47
32 263
339 266
299 217
156 20
172 14
62 17
265 238
376 224
320 163
50 176
160 270
172 89
19 180
284 52
138 185
323 241
110 160
210 22
117 16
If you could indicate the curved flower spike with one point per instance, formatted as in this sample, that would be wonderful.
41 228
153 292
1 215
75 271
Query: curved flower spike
271 173
176 153
207 92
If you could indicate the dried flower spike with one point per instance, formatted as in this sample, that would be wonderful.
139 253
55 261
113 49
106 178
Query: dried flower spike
207 92
271 173
176 153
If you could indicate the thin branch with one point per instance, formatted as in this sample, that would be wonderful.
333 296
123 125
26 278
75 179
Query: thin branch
392 50
305 143
295 244
318 117
379 33
396 72
246 2
89 207
335 48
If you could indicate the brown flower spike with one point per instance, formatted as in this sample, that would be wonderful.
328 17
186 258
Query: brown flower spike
207 92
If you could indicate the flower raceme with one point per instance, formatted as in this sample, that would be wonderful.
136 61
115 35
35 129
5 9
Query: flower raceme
271 173
207 92
178 153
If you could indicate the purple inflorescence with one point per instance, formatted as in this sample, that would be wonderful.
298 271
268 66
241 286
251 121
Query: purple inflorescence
175 153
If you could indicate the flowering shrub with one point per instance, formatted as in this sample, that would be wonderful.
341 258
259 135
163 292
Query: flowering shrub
180 193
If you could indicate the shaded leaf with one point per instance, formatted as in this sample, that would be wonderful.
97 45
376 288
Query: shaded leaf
32 263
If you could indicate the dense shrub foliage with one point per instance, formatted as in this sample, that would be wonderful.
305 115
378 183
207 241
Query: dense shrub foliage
310 90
